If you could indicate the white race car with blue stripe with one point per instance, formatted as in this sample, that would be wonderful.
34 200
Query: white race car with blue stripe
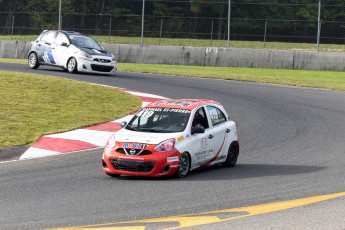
72 51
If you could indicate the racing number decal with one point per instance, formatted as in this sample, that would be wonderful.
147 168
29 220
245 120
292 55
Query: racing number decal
145 113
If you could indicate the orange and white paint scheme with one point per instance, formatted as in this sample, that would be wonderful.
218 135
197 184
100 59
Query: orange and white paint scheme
172 137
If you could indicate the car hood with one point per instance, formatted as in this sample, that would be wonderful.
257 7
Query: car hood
97 52
143 137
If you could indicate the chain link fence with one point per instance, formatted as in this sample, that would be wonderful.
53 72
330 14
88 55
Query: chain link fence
252 24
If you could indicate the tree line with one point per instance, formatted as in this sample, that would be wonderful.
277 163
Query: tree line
281 18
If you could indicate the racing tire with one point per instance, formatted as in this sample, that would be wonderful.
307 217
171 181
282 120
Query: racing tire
33 61
72 65
231 158
183 165
113 175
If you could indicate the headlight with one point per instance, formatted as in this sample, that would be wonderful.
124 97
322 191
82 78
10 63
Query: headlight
111 143
85 54
112 57
165 146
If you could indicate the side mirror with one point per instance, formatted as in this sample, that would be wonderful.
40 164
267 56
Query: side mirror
64 44
123 124
198 129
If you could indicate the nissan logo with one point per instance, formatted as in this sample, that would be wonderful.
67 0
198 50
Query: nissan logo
132 152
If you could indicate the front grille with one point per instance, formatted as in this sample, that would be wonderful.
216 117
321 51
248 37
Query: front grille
101 68
132 166
140 152
101 60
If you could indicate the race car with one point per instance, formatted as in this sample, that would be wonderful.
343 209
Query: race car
72 51
172 137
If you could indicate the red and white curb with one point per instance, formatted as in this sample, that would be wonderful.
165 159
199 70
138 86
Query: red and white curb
82 139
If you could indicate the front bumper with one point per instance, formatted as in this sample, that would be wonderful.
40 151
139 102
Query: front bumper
156 164
96 65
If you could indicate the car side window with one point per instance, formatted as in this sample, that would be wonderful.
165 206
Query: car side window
48 37
61 38
216 115
200 118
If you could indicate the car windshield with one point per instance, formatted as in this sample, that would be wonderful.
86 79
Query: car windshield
159 120
84 41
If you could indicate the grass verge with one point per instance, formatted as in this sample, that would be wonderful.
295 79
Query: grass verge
34 105
305 78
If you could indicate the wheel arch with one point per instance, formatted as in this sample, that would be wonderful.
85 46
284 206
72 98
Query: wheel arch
30 52
67 60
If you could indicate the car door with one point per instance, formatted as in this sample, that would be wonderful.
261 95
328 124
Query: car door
203 143
60 49
218 131
46 43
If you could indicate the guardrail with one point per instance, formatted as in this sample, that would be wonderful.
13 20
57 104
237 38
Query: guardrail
201 56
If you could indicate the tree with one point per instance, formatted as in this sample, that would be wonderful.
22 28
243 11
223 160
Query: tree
9 7
44 12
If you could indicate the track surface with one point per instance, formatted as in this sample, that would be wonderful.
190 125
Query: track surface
292 146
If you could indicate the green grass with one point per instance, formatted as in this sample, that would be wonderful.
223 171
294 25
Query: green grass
34 105
199 43
305 78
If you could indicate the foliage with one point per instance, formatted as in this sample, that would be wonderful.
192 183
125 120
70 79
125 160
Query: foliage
284 19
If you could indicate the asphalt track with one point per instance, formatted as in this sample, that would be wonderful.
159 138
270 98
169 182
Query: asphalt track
292 147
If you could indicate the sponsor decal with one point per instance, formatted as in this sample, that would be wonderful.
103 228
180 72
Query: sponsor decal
131 158
172 159
200 153
204 152
147 136
181 138
181 103
176 110
203 142
173 166
145 111
134 146
201 158
213 113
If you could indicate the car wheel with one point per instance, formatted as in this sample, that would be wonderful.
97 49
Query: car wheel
33 61
72 65
231 158
183 165
113 175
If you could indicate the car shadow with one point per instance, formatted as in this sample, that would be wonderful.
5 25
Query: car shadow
64 71
240 171
245 171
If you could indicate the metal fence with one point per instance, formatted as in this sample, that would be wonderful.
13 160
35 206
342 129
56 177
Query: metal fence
200 23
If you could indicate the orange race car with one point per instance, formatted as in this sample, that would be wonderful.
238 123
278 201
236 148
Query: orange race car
172 137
